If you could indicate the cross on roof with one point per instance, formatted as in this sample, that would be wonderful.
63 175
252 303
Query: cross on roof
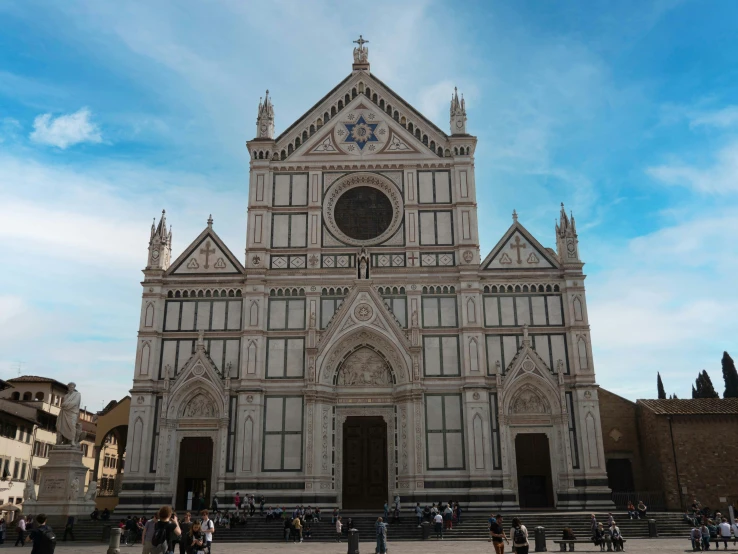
361 42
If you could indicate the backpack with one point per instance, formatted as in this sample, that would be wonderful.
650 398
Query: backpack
519 536
48 542
160 535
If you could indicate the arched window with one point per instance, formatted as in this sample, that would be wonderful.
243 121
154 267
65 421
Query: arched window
27 396
39 396
16 396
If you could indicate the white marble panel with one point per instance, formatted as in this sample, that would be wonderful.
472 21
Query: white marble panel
450 355
172 320
558 350
539 310
432 356
299 190
218 323
522 306
234 315
443 188
425 187
299 231
295 357
188 316
427 228
277 314
280 231
430 312
445 230
293 414
281 190
491 311
296 315
554 310
203 315
448 312
292 452
507 309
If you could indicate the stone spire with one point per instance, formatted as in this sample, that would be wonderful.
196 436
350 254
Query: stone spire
567 241
160 244
361 54
265 118
458 114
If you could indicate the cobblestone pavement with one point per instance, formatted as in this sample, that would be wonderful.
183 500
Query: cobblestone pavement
430 547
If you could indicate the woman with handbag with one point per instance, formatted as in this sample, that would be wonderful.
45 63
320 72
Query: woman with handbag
196 539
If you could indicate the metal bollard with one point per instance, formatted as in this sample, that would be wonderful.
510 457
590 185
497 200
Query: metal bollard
426 529
540 539
652 530
353 541
114 547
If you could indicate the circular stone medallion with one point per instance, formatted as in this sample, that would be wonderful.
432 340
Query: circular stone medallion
363 312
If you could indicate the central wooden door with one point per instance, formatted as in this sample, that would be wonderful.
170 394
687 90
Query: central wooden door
195 469
365 480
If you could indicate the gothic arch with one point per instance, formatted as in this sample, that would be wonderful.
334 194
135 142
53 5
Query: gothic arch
353 341
531 384
192 388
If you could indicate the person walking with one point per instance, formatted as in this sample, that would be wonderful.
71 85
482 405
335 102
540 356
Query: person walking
44 540
519 534
20 529
381 531
148 535
438 523
386 510
418 513
287 529
297 529
237 501
339 525
69 528
592 524
498 534
208 527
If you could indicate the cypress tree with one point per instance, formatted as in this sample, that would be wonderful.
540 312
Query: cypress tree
694 391
708 391
660 387
730 375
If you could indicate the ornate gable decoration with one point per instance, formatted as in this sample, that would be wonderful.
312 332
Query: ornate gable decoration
206 255
519 250
364 368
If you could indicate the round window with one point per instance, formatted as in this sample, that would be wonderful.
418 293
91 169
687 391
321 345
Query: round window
363 213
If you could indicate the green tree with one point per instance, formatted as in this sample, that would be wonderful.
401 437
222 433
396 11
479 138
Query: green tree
730 375
660 386
703 387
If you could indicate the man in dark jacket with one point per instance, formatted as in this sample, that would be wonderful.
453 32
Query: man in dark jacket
44 540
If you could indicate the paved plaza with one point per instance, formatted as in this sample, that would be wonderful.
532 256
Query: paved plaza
456 547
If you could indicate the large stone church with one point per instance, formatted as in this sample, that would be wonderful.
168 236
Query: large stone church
364 347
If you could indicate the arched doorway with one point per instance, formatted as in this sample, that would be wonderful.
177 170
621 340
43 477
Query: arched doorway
365 478
194 474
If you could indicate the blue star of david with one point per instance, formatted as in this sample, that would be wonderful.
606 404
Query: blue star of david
361 132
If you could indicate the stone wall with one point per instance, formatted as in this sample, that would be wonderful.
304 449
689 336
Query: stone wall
620 434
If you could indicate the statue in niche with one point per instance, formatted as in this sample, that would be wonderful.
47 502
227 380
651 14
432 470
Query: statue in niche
364 367
363 264
200 406
528 402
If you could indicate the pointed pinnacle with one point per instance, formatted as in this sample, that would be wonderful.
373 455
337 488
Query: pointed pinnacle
515 216
210 220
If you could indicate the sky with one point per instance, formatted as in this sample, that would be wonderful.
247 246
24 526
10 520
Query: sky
625 111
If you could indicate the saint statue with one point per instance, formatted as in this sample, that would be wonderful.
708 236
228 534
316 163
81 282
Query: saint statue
66 422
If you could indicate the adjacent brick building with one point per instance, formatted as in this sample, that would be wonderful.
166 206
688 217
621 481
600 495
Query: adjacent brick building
682 449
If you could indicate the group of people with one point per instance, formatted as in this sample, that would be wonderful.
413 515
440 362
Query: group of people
250 504
637 512
165 533
307 514
702 535
98 515
450 513
498 537
601 535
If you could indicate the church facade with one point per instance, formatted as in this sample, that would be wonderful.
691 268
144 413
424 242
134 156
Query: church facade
364 347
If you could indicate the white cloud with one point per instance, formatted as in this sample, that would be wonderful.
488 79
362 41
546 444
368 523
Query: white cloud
65 130
720 178
723 118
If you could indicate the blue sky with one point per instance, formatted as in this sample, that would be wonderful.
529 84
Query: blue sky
625 111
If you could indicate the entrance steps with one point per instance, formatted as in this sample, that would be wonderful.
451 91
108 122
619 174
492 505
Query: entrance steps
473 527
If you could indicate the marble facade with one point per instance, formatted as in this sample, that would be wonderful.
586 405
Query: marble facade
363 294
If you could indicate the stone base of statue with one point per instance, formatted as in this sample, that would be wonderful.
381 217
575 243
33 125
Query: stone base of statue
61 491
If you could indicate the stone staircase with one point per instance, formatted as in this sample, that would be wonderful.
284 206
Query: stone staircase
473 527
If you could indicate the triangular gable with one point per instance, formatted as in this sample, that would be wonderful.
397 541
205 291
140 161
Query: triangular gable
206 255
363 306
302 127
517 250
362 130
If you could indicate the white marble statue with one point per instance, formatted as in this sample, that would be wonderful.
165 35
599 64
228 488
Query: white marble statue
66 422
91 491
30 491
74 489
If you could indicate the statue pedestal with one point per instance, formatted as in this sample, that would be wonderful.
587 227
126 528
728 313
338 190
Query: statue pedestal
61 490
